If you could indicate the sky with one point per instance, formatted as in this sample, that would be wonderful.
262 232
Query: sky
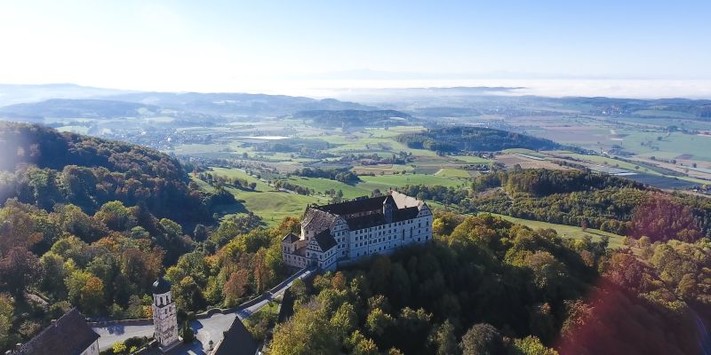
274 46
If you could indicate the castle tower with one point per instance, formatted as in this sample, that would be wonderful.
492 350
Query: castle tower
165 319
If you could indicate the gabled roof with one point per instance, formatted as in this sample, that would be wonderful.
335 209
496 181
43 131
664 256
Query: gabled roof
405 214
291 237
355 206
237 341
370 220
404 201
362 213
68 335
325 240
318 220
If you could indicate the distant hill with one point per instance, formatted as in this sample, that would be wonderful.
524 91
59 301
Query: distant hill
473 139
355 118
77 108
33 105
236 103
14 94
43 167
694 109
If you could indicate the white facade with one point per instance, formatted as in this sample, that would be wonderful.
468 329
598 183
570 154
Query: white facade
165 319
346 232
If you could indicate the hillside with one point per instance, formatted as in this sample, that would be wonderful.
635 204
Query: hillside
77 108
236 103
198 106
473 139
49 167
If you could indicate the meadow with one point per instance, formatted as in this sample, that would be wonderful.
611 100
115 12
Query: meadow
565 231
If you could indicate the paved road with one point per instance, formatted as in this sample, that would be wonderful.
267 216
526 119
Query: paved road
206 329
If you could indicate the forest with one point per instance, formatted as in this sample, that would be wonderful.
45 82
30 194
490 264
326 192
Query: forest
473 139
98 231
487 286
51 167
579 198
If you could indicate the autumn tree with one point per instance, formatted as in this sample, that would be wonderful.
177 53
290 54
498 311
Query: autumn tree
235 286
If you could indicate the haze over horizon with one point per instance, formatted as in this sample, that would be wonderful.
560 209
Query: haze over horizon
606 48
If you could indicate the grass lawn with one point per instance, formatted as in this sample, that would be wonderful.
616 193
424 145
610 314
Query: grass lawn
566 231
470 159
524 151
596 159
270 205
385 182
238 173
453 173
677 143
273 206
320 185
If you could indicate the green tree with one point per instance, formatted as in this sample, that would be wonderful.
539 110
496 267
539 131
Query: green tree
482 339
344 320
530 345
116 216
445 340
307 332
6 312
378 322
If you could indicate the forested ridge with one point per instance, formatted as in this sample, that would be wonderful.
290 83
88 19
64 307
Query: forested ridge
92 223
43 167
473 139
489 286
580 198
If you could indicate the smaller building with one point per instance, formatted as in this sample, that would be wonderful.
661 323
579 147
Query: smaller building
237 341
68 335
165 318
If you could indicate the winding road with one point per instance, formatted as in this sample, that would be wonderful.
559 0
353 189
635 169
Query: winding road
206 329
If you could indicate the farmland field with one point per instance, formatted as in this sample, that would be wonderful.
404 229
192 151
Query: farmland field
453 173
567 231
273 205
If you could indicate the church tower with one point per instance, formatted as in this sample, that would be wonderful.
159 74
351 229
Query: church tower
165 319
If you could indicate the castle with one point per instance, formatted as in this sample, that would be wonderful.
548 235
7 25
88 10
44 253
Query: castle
348 231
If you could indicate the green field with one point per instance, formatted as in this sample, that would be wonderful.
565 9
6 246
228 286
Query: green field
453 173
320 185
385 182
673 145
470 159
565 230
272 206
524 151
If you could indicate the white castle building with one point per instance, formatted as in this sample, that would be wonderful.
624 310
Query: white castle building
165 318
348 231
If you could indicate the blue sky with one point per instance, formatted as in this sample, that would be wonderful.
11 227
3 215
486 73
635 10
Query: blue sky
243 45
